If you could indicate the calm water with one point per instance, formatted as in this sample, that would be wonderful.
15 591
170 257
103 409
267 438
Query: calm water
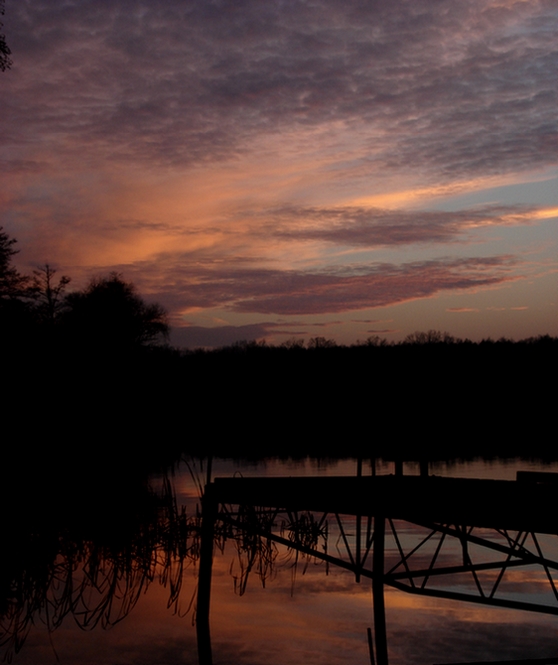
303 611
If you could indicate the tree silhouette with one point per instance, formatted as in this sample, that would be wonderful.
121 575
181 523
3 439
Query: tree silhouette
12 284
321 343
430 337
48 293
5 60
108 313
15 313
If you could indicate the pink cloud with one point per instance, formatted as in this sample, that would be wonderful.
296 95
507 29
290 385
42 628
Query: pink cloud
249 289
462 309
374 227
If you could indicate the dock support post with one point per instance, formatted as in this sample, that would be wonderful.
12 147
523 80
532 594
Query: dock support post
209 514
380 632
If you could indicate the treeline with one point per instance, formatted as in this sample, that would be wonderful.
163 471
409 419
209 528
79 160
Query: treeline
38 311
91 367
80 379
431 339
429 395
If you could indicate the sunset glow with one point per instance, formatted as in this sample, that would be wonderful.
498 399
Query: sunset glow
261 169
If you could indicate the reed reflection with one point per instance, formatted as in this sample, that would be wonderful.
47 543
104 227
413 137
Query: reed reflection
454 539
93 560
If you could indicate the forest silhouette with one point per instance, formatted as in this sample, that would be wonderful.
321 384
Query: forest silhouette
107 315
94 365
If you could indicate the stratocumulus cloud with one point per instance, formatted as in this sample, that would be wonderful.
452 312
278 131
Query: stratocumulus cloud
467 90
288 158
371 227
339 289
316 294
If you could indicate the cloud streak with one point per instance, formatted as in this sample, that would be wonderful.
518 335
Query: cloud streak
339 289
373 227
283 158
468 90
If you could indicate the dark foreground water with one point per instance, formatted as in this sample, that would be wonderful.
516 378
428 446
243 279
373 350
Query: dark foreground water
135 604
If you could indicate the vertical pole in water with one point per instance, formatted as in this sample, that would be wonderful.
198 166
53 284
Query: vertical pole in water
380 633
464 544
370 646
209 514
358 527
209 463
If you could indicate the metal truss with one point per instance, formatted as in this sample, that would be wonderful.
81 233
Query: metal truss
486 563
389 530
420 558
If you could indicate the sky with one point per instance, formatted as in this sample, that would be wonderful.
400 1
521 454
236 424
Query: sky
291 168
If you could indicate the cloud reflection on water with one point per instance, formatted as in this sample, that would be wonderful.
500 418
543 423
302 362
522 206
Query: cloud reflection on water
318 619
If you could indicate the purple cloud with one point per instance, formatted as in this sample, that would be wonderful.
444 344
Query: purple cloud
460 92
202 336
120 120
290 292
372 227
376 287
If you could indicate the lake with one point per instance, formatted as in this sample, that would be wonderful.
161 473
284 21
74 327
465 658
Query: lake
134 603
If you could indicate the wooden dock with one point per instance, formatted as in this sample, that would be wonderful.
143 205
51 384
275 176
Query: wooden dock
514 505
